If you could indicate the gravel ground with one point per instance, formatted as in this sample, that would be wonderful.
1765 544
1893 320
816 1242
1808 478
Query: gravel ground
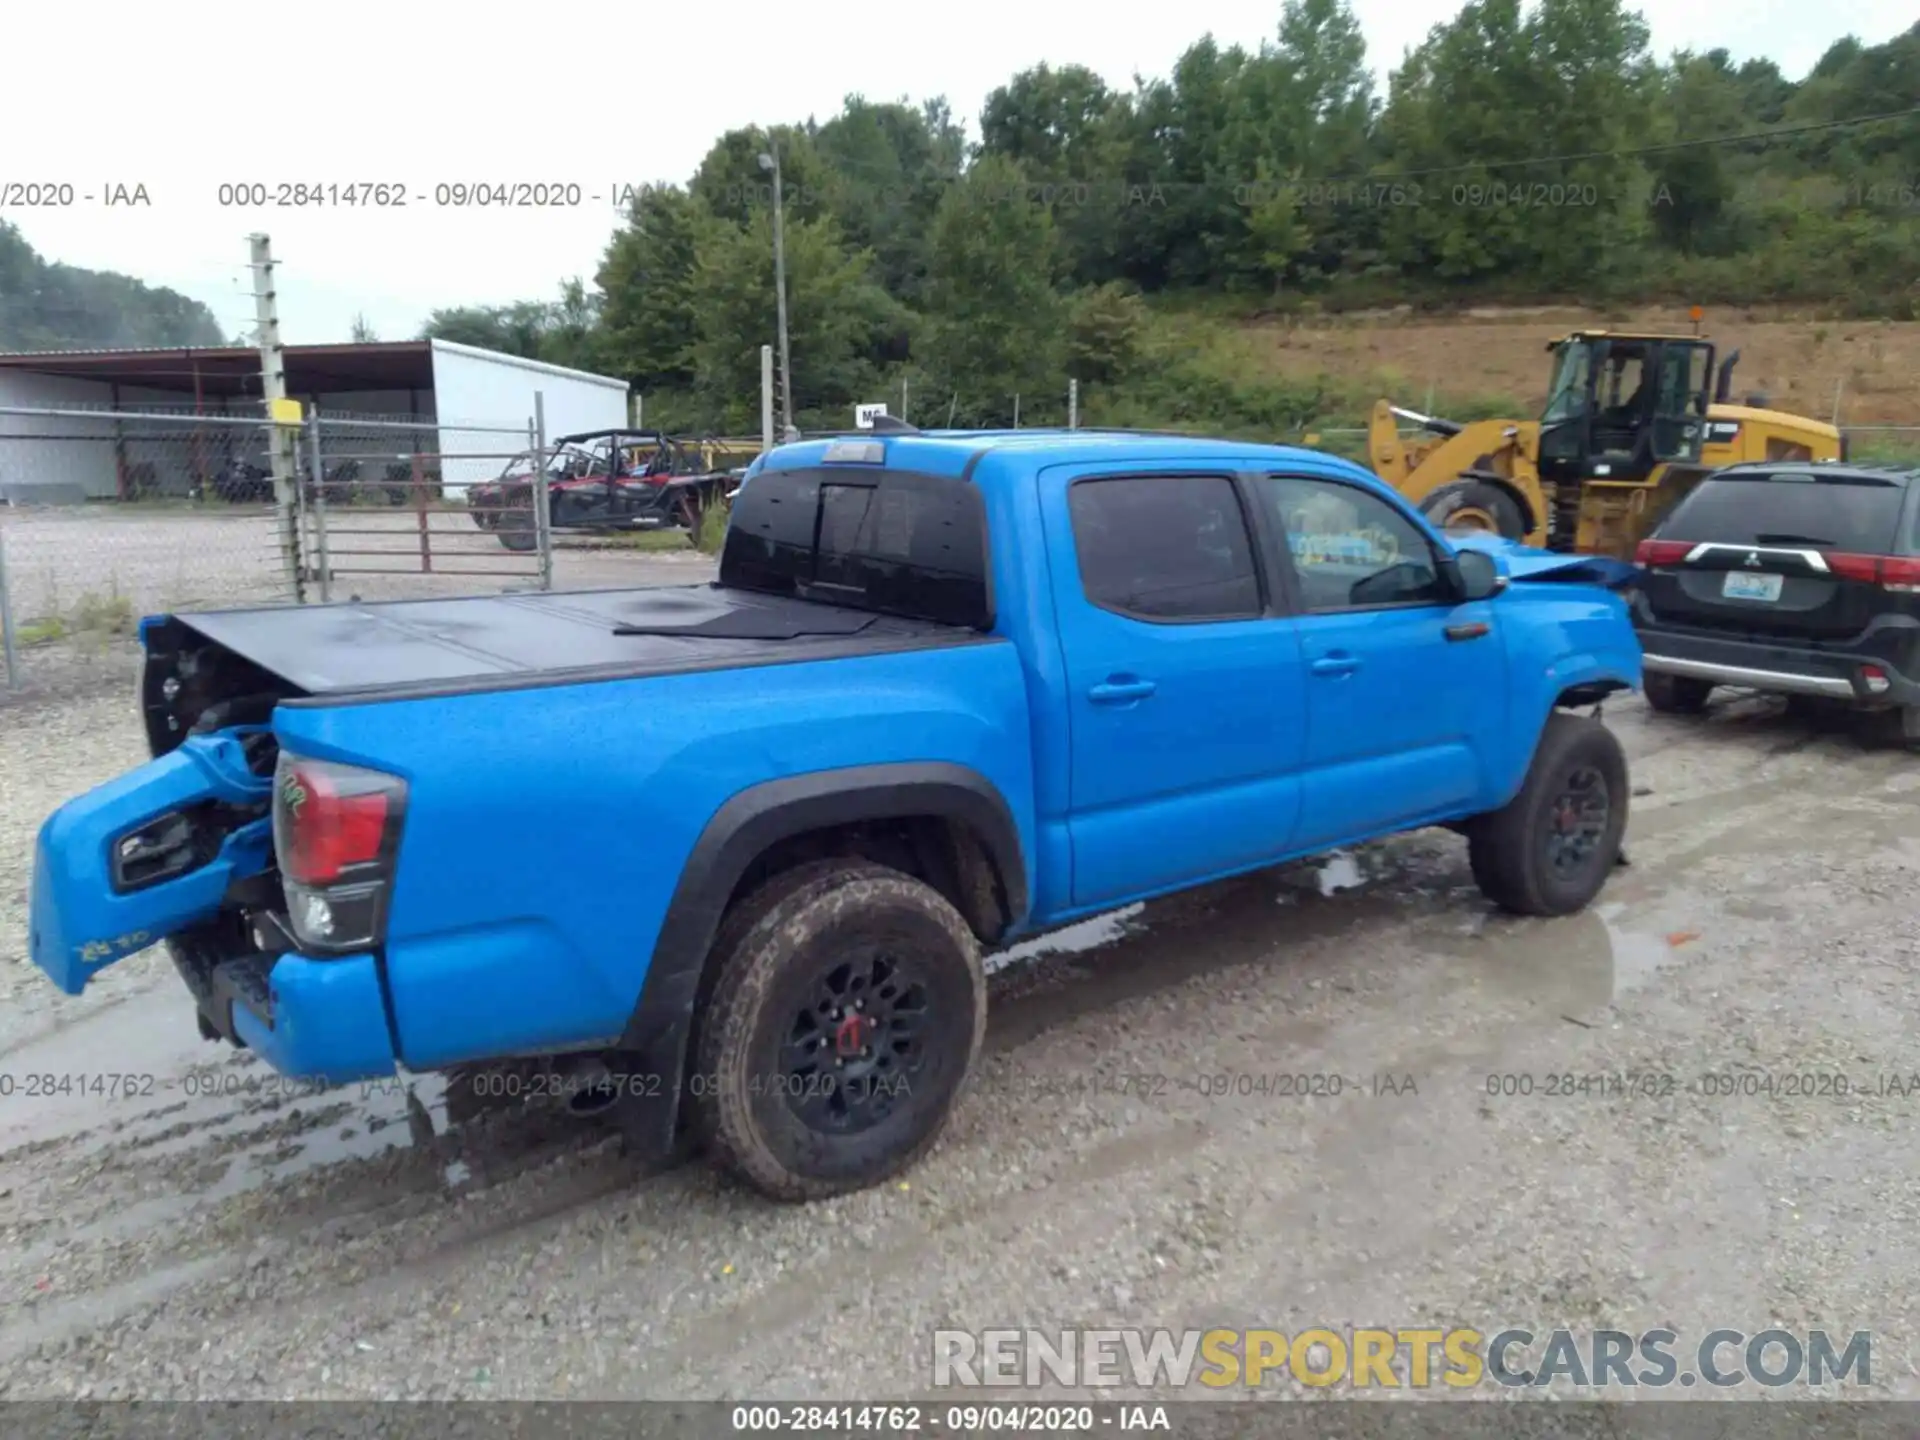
220 1237
87 566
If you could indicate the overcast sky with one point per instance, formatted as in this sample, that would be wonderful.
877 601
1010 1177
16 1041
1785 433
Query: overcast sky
595 94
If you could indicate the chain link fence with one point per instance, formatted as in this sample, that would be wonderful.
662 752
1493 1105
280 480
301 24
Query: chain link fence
106 516
406 507
109 515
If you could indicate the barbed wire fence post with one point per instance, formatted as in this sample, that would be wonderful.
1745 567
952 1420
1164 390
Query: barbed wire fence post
273 388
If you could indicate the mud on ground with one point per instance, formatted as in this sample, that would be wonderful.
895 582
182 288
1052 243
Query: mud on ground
220 1234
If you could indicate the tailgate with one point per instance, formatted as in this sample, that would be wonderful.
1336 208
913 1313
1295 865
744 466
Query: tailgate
1794 554
151 853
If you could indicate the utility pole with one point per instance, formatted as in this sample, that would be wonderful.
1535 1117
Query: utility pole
282 414
766 398
770 161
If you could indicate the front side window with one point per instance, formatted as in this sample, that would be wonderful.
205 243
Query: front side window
1165 547
1351 550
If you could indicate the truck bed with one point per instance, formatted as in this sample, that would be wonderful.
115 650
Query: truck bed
424 647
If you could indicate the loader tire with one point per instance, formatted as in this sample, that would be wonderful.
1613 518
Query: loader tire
1476 506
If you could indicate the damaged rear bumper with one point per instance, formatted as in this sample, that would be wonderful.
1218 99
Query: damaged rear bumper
310 1019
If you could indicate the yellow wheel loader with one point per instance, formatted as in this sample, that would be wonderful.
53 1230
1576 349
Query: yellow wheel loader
1632 422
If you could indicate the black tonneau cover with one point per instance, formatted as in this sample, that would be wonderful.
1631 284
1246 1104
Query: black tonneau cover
490 641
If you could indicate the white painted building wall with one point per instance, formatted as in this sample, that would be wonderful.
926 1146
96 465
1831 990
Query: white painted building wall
481 387
470 387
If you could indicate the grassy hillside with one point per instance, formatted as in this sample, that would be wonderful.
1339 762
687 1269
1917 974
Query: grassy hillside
1209 370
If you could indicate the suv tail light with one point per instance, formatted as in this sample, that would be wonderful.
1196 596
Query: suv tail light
1661 552
336 830
1899 573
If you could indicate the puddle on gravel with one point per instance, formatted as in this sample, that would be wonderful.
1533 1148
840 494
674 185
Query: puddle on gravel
135 1085
1573 966
1074 939
1339 871
1328 876
214 1125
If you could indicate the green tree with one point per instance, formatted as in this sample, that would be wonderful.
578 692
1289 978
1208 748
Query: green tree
562 332
994 317
572 336
1071 135
893 163
1482 115
841 323
46 306
649 316
732 183
515 329
1690 189
1106 330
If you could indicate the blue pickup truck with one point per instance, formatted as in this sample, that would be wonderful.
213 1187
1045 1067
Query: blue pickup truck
735 850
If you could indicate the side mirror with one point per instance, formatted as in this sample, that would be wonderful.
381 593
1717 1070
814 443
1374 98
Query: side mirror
1480 578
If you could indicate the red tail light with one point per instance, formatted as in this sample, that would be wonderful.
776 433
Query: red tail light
1661 552
1899 573
334 833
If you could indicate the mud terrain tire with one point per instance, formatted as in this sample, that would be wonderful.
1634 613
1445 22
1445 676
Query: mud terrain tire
848 1009
1675 694
1550 849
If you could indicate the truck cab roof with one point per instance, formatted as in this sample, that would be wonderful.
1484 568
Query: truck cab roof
959 452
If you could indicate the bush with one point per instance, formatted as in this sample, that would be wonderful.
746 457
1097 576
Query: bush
713 530
1106 327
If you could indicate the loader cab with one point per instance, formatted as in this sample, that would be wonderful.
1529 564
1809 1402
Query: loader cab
1621 406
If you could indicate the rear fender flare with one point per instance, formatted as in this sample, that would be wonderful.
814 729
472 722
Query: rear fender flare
655 1040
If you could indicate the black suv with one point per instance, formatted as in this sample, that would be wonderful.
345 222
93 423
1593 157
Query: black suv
1789 578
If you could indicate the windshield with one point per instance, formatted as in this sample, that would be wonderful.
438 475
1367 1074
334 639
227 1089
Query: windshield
1566 396
885 540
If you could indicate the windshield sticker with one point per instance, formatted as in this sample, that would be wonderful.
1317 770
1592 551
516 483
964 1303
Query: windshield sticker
1371 547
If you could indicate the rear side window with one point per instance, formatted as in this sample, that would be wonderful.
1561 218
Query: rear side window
885 540
1165 547
1853 513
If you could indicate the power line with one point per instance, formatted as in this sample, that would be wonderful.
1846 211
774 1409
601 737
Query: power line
1778 133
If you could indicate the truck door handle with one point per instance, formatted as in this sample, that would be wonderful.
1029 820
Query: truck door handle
1336 665
1120 689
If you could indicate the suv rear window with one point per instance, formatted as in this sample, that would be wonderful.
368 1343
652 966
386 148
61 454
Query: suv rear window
1851 513
890 541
